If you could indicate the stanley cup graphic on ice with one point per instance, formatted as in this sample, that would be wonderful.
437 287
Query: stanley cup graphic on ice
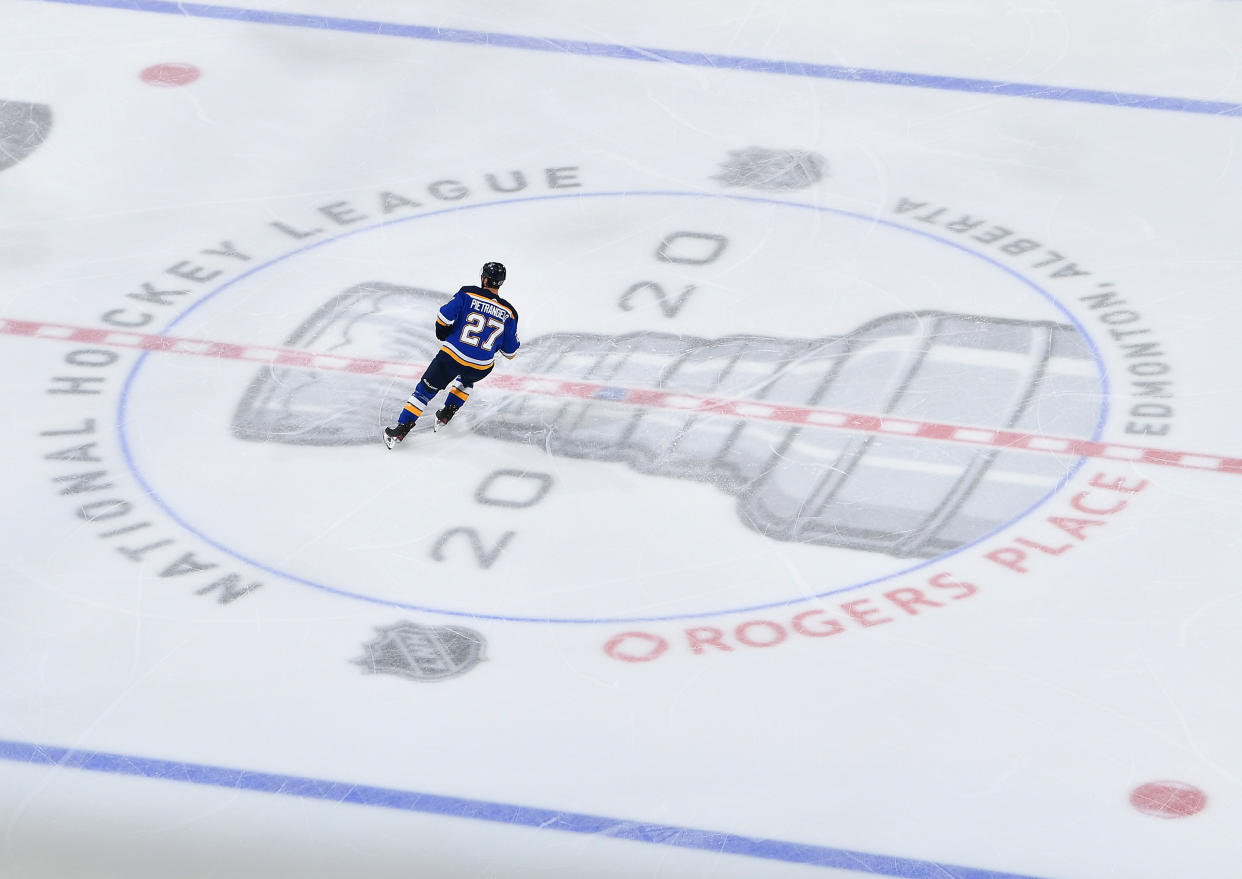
904 496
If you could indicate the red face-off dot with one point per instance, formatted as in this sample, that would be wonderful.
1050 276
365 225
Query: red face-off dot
171 74
1168 799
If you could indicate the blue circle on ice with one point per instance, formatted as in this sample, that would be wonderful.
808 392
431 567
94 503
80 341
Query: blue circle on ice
199 533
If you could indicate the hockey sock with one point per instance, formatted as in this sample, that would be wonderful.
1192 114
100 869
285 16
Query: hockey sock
410 413
459 393
422 395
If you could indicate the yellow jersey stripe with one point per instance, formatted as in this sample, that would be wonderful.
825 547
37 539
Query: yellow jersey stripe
460 359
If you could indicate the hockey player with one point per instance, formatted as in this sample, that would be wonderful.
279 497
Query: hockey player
474 326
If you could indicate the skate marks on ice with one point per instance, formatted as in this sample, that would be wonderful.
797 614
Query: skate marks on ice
908 497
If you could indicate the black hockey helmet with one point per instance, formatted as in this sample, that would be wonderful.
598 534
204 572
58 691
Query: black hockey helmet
492 274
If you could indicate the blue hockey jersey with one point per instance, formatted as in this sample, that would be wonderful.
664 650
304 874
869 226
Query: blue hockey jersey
475 325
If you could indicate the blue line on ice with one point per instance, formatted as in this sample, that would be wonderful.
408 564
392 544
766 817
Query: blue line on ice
672 56
482 810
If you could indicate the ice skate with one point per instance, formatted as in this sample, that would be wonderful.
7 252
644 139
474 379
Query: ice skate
394 435
444 416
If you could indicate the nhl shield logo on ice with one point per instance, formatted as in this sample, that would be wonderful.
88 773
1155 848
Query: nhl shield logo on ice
423 653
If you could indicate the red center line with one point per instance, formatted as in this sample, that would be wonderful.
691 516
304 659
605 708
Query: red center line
670 400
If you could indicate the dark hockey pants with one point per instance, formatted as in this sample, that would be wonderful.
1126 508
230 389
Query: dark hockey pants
442 372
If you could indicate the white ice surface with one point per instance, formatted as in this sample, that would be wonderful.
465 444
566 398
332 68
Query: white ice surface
989 731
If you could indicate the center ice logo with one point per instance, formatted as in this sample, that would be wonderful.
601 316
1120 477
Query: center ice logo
801 482
723 402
